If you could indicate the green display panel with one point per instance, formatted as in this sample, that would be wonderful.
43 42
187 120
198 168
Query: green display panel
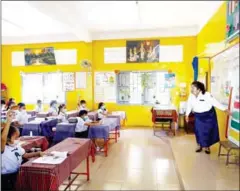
232 27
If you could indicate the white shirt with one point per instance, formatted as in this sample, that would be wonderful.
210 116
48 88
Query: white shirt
38 109
22 117
83 108
12 159
53 111
101 113
62 116
202 103
80 127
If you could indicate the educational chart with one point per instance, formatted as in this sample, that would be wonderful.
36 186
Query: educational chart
224 76
105 87
68 81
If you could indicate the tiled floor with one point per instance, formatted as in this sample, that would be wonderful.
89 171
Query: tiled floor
141 161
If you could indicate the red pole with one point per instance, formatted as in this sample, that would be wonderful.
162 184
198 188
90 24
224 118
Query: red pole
229 108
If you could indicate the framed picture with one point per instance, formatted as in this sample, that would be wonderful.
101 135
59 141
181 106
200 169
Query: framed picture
144 51
39 56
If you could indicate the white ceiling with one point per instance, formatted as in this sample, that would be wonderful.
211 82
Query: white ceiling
54 21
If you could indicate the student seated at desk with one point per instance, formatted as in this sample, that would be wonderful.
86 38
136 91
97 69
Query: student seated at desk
83 123
62 115
53 108
12 154
82 105
21 115
39 106
10 104
102 111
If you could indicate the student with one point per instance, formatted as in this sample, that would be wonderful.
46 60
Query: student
81 130
3 105
53 108
202 103
10 104
39 106
102 111
22 116
12 154
82 105
62 115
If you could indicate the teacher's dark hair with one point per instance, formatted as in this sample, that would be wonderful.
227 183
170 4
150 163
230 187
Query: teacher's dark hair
200 86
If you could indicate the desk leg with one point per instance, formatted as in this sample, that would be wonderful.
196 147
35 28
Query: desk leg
93 151
116 134
106 147
88 171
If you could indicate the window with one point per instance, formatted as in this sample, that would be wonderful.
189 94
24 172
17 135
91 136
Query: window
142 88
43 86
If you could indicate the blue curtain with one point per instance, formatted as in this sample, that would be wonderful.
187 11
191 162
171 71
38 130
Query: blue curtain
195 67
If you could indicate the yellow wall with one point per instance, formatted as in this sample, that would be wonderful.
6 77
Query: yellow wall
141 115
214 32
11 75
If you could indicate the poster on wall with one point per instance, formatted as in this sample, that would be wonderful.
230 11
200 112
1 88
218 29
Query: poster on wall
169 80
68 81
142 51
232 19
39 56
105 87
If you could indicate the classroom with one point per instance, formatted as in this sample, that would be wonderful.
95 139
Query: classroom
120 95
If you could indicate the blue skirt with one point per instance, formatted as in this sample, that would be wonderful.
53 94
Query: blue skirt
206 128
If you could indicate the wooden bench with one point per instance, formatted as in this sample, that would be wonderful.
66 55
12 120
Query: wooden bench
229 146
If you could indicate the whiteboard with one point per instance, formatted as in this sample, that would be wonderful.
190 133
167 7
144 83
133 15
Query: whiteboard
105 87
224 75
171 53
81 80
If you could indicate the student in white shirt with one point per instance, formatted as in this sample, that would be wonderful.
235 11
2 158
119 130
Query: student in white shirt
102 111
82 105
53 110
12 154
22 116
82 125
202 104
62 115
39 106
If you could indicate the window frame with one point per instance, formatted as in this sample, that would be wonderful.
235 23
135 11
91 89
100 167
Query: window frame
136 71
43 73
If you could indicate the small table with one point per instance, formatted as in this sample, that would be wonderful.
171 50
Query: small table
93 115
73 113
48 177
229 146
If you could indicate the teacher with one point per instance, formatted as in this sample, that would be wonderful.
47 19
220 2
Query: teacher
202 104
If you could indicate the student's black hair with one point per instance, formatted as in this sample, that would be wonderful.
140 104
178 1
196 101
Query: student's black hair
11 99
82 112
39 101
12 130
53 102
21 105
83 102
9 105
3 102
60 107
200 86
100 105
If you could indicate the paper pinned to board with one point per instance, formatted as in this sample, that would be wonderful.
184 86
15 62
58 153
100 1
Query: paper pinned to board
56 157
81 80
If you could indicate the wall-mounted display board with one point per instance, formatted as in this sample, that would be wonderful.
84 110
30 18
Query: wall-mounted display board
105 87
68 81
224 77
232 28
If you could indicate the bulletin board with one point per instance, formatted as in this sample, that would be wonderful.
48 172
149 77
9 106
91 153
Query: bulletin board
105 87
224 78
